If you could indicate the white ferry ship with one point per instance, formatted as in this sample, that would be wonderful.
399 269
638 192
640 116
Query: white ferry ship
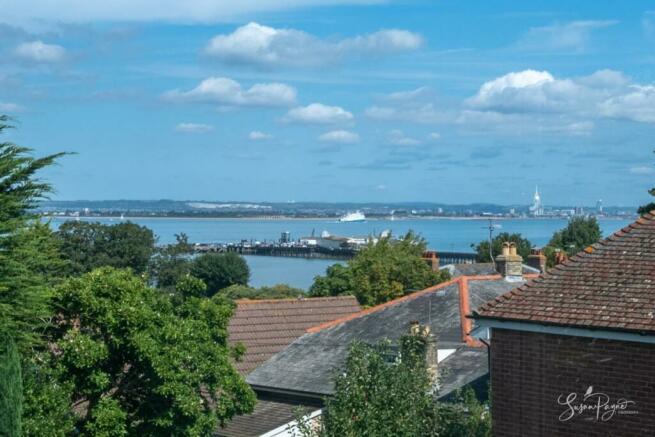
356 216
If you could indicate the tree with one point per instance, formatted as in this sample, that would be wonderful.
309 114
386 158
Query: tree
577 235
523 246
279 291
380 272
91 245
27 251
172 262
379 394
220 270
11 389
140 365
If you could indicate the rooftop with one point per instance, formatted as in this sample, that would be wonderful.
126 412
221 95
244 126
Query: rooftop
307 366
265 327
609 286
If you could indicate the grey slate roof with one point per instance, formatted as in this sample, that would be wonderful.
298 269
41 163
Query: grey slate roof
308 364
463 367
479 269
267 416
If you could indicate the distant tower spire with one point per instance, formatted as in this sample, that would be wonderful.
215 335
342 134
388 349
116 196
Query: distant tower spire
537 208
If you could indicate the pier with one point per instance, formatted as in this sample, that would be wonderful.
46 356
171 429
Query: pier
319 252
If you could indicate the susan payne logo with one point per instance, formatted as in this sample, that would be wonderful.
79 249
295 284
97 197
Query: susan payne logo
593 405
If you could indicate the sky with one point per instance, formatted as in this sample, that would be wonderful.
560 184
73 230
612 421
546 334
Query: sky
335 100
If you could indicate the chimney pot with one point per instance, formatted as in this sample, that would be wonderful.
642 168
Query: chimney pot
510 263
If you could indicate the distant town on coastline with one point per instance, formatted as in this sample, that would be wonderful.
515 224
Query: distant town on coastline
308 209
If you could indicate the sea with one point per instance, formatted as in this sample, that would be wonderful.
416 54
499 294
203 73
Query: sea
441 234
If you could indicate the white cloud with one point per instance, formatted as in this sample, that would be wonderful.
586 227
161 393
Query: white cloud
193 128
637 104
258 136
225 91
339 136
204 11
260 45
317 113
572 36
38 51
434 135
605 93
414 106
398 138
642 169
10 107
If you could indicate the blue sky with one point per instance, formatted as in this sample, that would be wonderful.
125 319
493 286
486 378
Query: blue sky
336 100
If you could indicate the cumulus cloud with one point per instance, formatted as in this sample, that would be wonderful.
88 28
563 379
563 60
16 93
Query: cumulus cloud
260 45
415 106
339 136
605 93
638 104
572 36
258 136
398 138
317 113
38 51
193 128
225 91
434 136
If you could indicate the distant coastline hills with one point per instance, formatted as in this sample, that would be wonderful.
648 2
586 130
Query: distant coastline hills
202 208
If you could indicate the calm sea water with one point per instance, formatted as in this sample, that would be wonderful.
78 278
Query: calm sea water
441 234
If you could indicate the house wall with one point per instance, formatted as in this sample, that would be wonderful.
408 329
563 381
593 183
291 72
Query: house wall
533 375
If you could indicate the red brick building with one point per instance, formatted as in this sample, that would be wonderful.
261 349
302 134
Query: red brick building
573 352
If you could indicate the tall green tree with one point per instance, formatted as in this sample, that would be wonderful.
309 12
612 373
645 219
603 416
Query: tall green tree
11 389
523 246
220 270
380 272
579 233
172 262
27 251
139 364
90 245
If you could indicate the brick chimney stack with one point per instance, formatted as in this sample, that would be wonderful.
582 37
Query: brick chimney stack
537 260
509 263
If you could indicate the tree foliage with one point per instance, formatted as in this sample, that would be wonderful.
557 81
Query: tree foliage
27 251
380 272
11 389
172 262
140 365
279 291
523 246
577 235
220 270
90 245
378 394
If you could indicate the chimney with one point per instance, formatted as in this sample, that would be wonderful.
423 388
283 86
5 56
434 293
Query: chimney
431 352
537 260
509 263
432 259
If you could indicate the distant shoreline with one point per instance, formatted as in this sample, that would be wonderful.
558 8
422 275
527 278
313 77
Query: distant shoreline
329 220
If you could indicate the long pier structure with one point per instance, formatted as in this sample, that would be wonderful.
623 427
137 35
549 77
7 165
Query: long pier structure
319 252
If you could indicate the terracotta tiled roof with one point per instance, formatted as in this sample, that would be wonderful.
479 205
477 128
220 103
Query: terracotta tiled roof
265 327
610 285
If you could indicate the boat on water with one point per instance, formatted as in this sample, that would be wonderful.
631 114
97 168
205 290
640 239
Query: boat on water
356 216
